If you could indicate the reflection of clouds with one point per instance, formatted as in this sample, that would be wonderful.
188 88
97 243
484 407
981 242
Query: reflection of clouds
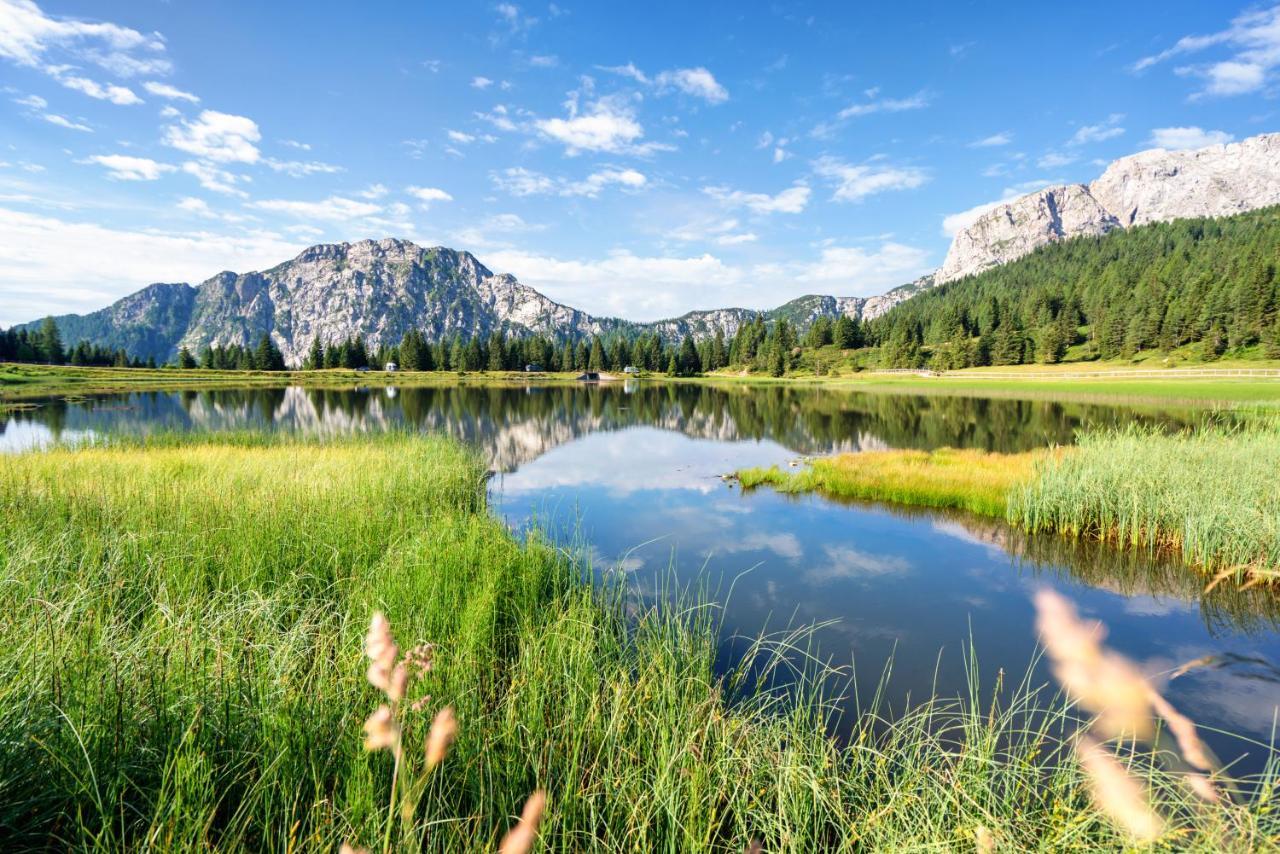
848 562
785 545
641 459
32 436
1140 605
975 534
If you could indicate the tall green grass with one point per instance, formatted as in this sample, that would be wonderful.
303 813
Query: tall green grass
1213 494
181 668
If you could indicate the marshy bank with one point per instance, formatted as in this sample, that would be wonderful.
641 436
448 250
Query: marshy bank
1210 495
183 669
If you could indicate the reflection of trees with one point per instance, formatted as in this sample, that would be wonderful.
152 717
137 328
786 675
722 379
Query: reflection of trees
515 424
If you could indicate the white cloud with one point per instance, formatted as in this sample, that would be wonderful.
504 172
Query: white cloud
125 168
791 200
301 169
35 102
698 82
918 101
606 125
1100 132
220 137
168 111
63 121
479 236
544 61
121 95
54 266
293 143
855 182
374 191
427 195
28 37
1253 39
721 232
648 288
460 137
1054 159
201 208
173 93
332 209
954 223
996 139
1188 137
215 179
481 83
519 181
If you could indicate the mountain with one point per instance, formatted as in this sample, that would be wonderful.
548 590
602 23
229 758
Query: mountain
1151 186
381 289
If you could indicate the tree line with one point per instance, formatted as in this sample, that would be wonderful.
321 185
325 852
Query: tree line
1206 282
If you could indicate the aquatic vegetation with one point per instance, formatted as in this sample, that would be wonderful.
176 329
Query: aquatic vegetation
189 659
1211 495
962 479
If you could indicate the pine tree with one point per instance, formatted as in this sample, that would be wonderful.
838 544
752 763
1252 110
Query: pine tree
315 356
185 360
50 342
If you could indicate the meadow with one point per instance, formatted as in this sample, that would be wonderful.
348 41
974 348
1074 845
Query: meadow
1211 495
182 668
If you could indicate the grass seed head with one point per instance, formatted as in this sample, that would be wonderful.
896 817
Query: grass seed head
444 729
520 839
381 648
381 730
1116 793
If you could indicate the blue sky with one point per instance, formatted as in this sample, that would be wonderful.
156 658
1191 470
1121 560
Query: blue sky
625 158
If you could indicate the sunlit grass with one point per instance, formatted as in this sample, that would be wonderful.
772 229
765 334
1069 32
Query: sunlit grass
1212 494
182 668
963 479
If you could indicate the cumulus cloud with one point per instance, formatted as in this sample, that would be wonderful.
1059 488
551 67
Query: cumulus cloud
696 82
215 136
215 179
427 195
50 265
173 93
607 125
791 200
125 168
854 182
1252 43
481 83
30 38
722 232
652 287
1187 137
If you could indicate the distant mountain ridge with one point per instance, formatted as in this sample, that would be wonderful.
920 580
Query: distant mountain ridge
1150 186
380 289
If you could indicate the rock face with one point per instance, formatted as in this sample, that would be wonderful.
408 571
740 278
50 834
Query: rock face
380 289
1151 186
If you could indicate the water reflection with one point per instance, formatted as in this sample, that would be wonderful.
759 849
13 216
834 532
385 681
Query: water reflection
633 473
514 425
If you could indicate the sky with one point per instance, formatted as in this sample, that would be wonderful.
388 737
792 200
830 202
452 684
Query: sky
630 159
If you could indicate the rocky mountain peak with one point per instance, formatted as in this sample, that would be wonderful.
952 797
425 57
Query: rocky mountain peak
1150 186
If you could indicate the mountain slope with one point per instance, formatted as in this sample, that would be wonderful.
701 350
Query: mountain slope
1151 186
380 290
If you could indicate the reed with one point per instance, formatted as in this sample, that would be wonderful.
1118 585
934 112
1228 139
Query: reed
187 657
1212 494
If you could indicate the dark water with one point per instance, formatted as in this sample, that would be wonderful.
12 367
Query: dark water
632 474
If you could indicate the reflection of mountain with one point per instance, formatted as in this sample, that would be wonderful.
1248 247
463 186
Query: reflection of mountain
512 426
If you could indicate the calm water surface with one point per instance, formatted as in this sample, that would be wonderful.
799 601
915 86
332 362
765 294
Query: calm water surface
632 474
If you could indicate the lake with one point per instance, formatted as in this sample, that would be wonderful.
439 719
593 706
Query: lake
630 475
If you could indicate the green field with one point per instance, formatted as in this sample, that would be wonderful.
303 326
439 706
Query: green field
19 382
182 670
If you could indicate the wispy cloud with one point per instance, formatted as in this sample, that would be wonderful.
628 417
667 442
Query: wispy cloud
1178 138
697 82
519 181
1004 137
122 167
792 200
854 182
1253 43
1100 132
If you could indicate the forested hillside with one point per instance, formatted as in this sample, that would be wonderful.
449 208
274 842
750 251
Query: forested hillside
1210 282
